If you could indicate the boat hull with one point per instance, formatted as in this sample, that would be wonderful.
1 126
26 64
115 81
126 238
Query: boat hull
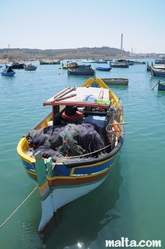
161 86
8 74
62 195
159 72
30 68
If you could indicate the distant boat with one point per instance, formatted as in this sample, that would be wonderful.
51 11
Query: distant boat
101 61
81 70
103 68
47 62
70 65
30 67
138 62
16 65
160 61
8 71
119 64
115 81
88 61
159 72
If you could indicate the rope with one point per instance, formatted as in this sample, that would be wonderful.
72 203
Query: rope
10 216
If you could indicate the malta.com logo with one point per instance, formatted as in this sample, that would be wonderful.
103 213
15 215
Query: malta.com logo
125 242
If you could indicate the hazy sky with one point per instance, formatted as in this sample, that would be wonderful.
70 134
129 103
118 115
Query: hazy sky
55 24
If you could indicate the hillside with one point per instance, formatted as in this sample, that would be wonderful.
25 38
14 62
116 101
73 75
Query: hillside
79 53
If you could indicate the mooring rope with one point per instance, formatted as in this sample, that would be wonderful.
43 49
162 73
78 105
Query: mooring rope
18 207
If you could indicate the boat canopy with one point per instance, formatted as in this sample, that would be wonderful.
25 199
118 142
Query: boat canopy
81 96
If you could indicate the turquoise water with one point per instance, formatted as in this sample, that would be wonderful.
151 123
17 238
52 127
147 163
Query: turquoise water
130 203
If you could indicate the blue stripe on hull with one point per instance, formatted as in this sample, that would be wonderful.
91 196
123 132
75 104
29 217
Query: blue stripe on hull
95 169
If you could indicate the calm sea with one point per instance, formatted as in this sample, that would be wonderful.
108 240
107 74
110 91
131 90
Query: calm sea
129 204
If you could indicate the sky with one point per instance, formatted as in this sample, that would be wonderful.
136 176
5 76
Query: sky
63 24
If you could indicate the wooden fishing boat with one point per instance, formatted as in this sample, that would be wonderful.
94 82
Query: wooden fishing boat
119 63
72 150
115 81
160 61
30 67
49 62
101 61
8 71
81 70
70 65
16 65
159 72
103 68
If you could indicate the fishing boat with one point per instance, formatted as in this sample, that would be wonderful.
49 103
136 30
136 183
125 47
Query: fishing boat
159 72
102 61
16 65
70 65
119 63
73 149
8 71
49 62
103 68
160 61
30 67
81 70
115 81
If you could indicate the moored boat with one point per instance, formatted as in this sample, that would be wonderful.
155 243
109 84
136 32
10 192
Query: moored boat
159 72
160 61
16 65
50 62
8 71
30 67
69 65
161 86
119 63
81 70
103 68
72 150
101 61
115 81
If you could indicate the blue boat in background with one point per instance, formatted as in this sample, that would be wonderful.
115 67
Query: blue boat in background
16 65
30 67
8 71
81 70
103 68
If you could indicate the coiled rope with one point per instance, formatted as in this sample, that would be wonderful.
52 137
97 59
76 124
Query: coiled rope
18 207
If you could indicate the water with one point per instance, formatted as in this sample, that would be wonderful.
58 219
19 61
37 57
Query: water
130 203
